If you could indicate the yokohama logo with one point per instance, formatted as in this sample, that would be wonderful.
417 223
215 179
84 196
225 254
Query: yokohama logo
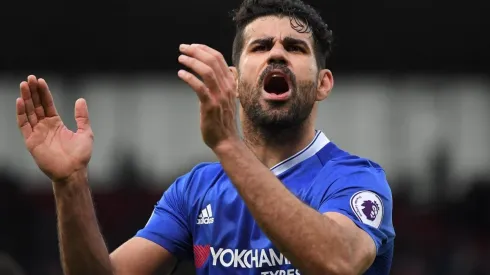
238 258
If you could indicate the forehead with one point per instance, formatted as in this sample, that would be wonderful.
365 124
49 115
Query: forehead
274 26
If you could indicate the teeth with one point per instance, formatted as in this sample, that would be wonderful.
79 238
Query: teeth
276 75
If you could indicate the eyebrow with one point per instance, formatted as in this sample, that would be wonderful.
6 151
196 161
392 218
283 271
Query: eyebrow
263 41
294 41
288 40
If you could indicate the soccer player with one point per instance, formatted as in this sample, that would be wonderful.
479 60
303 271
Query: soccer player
283 199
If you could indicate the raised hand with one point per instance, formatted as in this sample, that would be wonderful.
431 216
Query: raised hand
59 152
217 92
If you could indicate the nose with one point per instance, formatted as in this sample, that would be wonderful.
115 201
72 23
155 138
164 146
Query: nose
278 55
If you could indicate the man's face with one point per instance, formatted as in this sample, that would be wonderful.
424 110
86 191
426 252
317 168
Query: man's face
278 73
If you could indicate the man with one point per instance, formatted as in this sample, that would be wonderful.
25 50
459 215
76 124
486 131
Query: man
282 200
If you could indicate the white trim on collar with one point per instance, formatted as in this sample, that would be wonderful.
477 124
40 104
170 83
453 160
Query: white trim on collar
319 141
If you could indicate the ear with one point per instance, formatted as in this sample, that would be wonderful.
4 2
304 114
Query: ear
325 84
234 71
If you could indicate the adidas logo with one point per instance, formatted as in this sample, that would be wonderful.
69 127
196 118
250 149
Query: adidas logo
206 216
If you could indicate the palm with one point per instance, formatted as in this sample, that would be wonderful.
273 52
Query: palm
57 151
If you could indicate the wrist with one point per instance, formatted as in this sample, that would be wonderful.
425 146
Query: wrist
229 145
79 177
71 192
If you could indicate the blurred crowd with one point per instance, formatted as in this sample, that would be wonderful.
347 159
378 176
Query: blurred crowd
444 236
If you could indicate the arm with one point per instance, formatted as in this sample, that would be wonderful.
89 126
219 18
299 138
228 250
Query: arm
82 246
63 155
141 256
329 244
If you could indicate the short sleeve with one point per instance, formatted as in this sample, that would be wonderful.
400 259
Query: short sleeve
168 225
364 197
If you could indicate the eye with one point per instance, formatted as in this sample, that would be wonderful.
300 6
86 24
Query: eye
294 48
259 48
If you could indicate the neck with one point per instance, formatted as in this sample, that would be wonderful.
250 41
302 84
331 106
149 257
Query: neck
272 146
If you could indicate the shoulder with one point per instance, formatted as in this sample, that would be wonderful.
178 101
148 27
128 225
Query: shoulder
357 187
344 170
190 187
201 173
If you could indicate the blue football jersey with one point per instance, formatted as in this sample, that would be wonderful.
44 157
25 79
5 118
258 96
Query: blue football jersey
202 217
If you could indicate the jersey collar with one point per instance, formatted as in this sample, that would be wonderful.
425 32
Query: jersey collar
319 141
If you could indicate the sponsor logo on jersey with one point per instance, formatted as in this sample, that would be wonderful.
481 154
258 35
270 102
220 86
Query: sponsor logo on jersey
244 259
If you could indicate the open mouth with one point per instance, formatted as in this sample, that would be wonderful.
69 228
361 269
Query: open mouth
276 82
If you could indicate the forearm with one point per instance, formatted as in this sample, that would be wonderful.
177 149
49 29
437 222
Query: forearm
311 241
82 247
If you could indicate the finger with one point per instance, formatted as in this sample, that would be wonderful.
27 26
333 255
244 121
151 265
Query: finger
218 56
46 99
81 115
203 54
201 69
197 85
22 120
25 93
36 100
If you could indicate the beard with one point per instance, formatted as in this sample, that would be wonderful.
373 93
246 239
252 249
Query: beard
277 120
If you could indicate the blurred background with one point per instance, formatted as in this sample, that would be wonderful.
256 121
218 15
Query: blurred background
411 92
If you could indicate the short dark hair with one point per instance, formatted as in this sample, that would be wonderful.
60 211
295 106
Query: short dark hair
304 18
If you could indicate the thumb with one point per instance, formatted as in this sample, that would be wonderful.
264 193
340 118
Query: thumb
81 115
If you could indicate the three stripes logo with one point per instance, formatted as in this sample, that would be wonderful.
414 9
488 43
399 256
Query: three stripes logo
206 216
